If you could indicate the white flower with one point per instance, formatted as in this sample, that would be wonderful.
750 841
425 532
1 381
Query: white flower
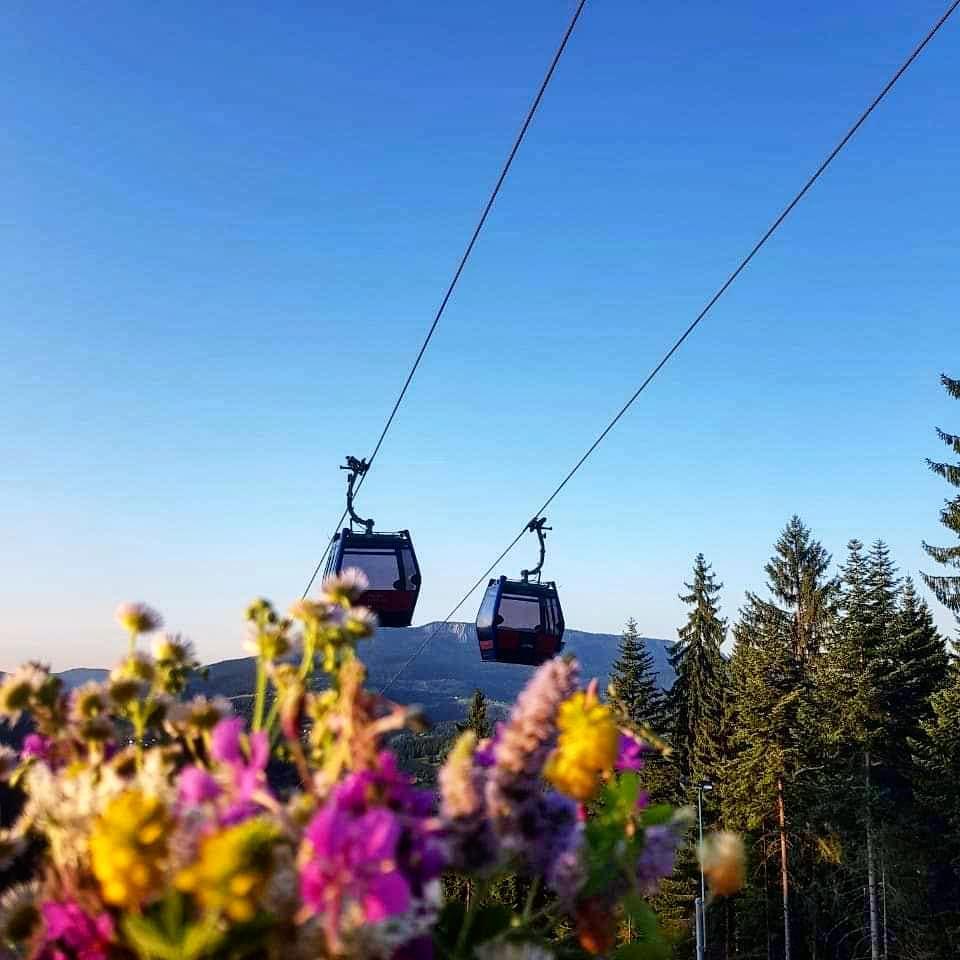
18 913
172 648
347 586
18 690
138 618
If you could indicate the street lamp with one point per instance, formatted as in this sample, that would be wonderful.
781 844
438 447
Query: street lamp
701 912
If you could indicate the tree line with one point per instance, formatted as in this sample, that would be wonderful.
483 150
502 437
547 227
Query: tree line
824 726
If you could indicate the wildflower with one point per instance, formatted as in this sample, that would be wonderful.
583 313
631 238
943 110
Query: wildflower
656 857
87 701
18 913
135 666
70 931
360 623
138 618
173 649
561 846
196 786
38 747
346 587
308 611
596 926
232 869
630 752
19 689
11 846
128 848
271 643
349 865
9 761
197 715
723 860
459 796
523 745
586 748
473 844
245 759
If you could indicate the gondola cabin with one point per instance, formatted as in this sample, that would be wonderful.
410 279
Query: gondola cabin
390 564
520 622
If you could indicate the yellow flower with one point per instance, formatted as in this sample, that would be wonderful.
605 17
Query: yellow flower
232 869
128 848
586 746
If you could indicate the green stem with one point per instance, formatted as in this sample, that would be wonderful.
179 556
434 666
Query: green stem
261 696
531 898
472 906
133 641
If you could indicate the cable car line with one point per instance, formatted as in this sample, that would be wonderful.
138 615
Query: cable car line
531 113
917 50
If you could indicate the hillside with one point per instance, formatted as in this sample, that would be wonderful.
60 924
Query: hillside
441 678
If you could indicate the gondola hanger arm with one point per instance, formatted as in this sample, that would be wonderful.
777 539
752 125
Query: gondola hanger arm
355 468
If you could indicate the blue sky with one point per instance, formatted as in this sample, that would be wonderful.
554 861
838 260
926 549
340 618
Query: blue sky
225 229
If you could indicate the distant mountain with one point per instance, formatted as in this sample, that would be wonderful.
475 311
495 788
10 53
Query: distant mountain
441 678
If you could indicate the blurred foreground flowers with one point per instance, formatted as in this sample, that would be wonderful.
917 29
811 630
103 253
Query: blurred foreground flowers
156 832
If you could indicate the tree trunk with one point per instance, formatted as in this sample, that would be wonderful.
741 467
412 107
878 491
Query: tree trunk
766 893
784 875
871 868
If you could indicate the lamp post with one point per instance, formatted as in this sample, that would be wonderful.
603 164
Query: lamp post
702 787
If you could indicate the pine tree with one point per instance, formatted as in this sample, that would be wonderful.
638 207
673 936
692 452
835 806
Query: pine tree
637 695
774 738
919 668
695 701
477 717
946 588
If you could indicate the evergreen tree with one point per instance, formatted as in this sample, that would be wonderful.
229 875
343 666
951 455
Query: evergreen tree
638 698
774 736
919 668
477 717
696 699
947 587
796 576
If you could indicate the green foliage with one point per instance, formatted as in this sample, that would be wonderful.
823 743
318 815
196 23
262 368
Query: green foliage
696 698
946 587
638 699
477 720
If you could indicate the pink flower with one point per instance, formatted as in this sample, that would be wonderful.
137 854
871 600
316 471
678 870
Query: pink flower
69 932
630 753
37 746
352 861
246 760
196 786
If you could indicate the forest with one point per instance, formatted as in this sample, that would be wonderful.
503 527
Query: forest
823 725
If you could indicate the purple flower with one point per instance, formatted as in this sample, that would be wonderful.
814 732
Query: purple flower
247 767
68 931
37 746
352 862
196 786
656 858
525 741
561 841
630 753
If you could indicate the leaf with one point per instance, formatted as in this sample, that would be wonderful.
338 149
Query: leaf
651 950
642 917
200 940
448 925
488 922
148 940
654 816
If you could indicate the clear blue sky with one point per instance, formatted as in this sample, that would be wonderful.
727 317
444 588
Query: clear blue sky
225 229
